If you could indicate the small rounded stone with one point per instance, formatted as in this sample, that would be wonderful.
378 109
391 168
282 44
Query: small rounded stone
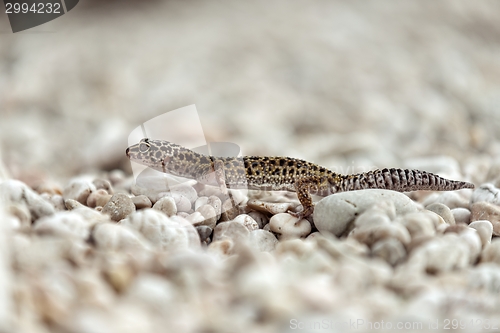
195 218
116 237
461 215
200 202
103 184
204 232
209 215
247 221
484 229
119 207
216 203
419 224
442 211
486 192
451 199
391 250
262 240
229 211
372 234
260 218
491 252
92 198
335 213
270 207
63 224
18 192
79 190
230 230
141 202
288 227
486 211
166 205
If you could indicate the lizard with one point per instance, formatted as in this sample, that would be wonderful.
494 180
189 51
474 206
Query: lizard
279 173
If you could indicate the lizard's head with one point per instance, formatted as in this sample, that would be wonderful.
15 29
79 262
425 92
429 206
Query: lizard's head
151 153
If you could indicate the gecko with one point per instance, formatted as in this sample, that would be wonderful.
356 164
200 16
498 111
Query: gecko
279 173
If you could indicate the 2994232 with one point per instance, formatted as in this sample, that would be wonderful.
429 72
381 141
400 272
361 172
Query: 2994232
34 8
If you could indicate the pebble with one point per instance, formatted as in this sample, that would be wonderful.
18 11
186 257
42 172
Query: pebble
167 233
166 205
288 227
451 199
103 184
228 211
262 240
204 232
461 215
491 252
18 192
21 213
260 218
200 202
270 207
119 207
79 189
371 234
118 237
486 192
98 198
486 211
484 230
335 213
470 237
141 202
390 249
443 211
209 215
195 219
63 224
421 224
485 276
231 230
247 221
216 203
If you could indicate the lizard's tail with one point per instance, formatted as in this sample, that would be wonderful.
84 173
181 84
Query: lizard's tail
400 180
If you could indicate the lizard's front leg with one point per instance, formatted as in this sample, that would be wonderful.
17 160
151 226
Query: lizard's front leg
304 187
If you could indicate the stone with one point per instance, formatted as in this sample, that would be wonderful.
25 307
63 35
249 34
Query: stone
486 192
234 231
389 249
288 227
166 205
79 189
63 224
485 276
336 213
491 252
270 207
168 233
118 237
421 224
103 184
204 232
262 240
216 203
443 211
247 221
141 202
97 196
119 207
371 234
451 199
18 192
209 215
260 218
486 211
461 215
484 229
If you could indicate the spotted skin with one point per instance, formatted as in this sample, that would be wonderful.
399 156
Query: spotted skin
279 173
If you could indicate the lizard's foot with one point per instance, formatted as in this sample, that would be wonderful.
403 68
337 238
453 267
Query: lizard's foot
303 213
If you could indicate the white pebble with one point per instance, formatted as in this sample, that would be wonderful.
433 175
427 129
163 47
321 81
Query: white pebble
18 192
486 192
420 224
270 207
391 250
118 237
336 212
451 199
63 224
119 207
230 230
491 252
262 240
374 233
461 215
247 221
484 229
166 205
443 211
79 189
289 227
260 218
216 203
209 215
200 202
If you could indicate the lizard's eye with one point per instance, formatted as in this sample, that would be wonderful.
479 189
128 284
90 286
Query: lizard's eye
144 147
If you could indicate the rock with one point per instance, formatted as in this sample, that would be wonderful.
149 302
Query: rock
421 224
451 199
461 215
79 189
442 211
209 215
195 219
247 221
141 202
204 232
118 237
234 231
289 227
260 218
228 211
337 212
369 235
262 240
166 205
491 252
174 233
98 198
119 207
200 202
216 203
63 224
103 184
486 192
484 229
390 249
485 276
18 192
270 207
486 211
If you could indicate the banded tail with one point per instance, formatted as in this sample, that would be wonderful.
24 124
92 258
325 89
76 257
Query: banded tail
401 180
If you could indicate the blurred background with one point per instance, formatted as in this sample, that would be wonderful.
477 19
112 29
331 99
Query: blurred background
346 84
